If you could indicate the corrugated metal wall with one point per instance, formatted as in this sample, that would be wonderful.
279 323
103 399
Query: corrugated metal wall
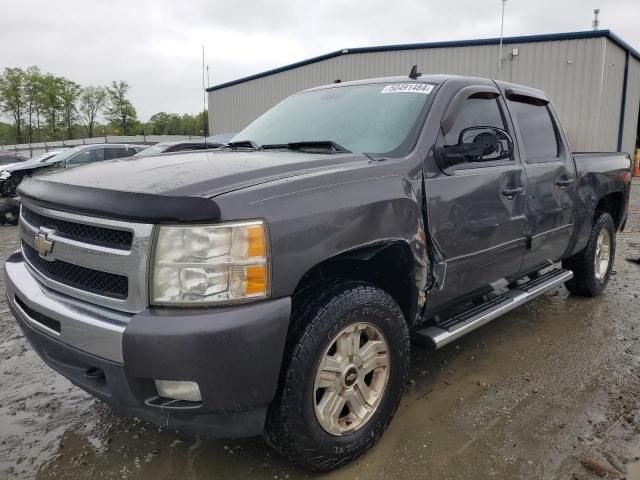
632 107
583 77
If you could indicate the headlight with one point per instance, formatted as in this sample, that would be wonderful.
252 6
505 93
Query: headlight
210 264
4 175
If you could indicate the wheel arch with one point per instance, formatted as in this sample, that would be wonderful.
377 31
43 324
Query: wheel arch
612 203
388 265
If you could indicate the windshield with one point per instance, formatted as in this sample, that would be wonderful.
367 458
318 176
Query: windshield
155 150
373 118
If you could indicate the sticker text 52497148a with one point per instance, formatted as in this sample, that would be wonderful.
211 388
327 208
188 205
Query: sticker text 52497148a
425 88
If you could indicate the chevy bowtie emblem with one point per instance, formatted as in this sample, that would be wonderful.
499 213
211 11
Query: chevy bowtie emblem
43 245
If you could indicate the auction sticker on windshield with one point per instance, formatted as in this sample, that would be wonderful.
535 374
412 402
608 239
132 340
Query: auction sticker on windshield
408 88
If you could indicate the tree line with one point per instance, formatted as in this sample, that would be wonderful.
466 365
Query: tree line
45 107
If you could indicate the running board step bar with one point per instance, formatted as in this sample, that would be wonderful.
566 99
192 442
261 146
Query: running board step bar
437 336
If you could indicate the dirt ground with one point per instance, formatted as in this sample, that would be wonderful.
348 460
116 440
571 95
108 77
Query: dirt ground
523 397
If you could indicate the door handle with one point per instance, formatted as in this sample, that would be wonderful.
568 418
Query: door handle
564 182
512 191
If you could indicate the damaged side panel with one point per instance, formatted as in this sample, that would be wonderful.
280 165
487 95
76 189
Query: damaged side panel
309 224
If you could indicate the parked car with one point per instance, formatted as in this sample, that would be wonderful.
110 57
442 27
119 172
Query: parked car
182 146
8 157
5 171
275 289
12 175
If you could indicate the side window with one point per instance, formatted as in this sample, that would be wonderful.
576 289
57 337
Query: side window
128 152
97 155
475 112
88 156
81 158
118 152
113 152
539 134
477 136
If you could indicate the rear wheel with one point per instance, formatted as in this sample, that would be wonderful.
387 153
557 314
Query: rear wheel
592 266
344 373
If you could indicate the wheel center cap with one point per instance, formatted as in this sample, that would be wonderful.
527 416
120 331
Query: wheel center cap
350 377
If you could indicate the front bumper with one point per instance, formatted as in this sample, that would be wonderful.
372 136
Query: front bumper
234 354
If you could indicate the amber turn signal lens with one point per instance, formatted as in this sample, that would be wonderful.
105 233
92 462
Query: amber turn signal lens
256 280
257 245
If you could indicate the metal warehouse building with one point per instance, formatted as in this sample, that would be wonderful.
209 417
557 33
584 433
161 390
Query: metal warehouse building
592 77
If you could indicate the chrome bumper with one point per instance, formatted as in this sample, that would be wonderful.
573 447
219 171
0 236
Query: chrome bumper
92 329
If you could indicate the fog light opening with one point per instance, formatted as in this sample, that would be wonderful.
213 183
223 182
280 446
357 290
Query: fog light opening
178 390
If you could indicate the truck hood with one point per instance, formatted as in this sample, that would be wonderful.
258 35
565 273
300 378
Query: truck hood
200 174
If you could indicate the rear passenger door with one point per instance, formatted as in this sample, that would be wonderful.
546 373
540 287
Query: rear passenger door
476 212
551 179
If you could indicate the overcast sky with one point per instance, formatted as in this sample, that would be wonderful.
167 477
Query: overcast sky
156 45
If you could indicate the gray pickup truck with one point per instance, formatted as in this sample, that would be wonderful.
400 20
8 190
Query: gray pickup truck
272 287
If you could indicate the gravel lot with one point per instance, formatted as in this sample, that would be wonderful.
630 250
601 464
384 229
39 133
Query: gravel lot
527 396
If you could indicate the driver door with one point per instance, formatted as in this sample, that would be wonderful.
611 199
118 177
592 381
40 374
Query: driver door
476 208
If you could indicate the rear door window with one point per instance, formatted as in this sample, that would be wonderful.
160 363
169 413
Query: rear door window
118 152
539 133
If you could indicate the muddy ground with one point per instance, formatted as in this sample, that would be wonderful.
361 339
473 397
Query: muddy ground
520 398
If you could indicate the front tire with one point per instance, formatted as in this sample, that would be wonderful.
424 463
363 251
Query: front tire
592 266
9 187
345 368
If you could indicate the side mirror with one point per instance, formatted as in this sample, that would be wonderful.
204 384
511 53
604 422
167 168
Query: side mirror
475 144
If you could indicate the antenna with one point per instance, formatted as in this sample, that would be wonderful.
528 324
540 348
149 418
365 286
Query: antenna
504 2
204 101
596 21
414 72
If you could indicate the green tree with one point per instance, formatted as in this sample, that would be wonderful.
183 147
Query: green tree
13 99
201 123
52 104
92 101
33 92
120 111
69 94
7 134
158 123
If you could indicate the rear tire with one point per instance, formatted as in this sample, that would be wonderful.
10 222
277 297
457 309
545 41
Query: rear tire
341 327
592 266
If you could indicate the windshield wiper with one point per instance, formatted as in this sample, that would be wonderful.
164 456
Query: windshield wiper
250 144
309 145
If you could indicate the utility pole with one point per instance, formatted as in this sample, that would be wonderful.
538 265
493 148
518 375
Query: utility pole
596 21
501 34
204 99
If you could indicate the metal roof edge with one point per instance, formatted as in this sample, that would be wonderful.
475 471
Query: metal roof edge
445 44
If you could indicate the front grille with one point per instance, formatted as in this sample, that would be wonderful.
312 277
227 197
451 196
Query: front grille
87 279
105 237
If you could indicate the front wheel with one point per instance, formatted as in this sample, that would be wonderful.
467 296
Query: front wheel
592 266
9 186
345 369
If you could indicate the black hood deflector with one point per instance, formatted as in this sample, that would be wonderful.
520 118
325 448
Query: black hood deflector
130 206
